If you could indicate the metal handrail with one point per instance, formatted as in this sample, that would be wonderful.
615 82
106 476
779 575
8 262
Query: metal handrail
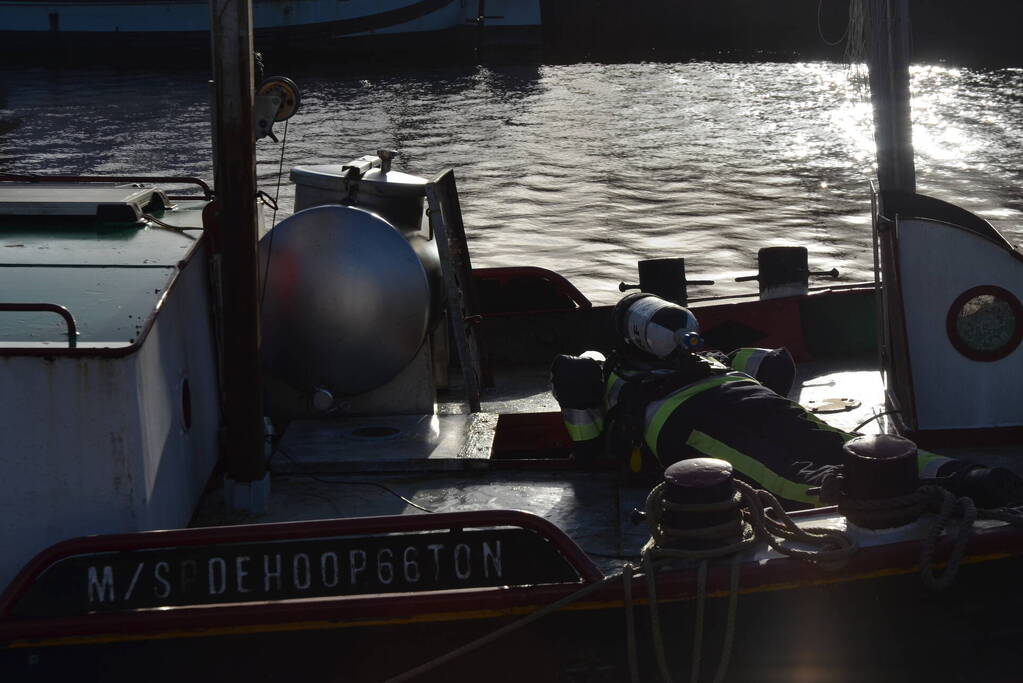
183 180
72 328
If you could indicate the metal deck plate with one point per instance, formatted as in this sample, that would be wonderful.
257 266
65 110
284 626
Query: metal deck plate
387 443
592 507
859 386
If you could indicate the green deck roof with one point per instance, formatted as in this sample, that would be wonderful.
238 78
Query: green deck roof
110 276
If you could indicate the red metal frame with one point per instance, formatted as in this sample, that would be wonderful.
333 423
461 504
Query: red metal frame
296 530
781 318
875 563
558 282
952 329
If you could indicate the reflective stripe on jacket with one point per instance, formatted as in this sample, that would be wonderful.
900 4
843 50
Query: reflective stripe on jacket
583 424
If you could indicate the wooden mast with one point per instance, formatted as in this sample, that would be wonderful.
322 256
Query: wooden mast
889 91
235 178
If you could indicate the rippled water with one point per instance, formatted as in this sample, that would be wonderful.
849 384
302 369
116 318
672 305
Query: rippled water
582 168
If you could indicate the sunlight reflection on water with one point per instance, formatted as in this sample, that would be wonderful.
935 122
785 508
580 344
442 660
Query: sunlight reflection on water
582 168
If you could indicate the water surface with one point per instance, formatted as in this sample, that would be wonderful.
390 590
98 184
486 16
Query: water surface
582 168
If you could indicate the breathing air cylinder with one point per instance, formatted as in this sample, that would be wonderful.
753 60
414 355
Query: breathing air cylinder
658 327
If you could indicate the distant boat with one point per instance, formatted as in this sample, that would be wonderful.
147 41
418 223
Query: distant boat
31 26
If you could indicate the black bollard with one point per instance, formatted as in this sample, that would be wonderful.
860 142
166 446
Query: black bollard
784 271
665 277
878 467
701 481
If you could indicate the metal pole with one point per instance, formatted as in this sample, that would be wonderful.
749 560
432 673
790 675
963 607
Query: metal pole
231 29
889 90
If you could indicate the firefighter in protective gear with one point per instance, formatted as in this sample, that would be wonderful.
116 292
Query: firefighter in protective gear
652 403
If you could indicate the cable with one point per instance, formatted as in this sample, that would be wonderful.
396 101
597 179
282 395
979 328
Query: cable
167 226
273 219
318 476
578 595
820 29
280 172
874 417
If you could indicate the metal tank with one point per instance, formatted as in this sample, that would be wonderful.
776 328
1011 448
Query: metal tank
346 305
370 183
367 182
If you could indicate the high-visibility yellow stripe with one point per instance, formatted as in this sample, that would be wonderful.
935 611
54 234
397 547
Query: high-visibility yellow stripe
754 469
928 464
673 401
810 417
612 380
584 432
583 424
742 358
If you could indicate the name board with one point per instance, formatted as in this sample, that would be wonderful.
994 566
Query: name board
289 569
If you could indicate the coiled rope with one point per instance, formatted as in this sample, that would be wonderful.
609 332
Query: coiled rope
768 521
947 509
762 519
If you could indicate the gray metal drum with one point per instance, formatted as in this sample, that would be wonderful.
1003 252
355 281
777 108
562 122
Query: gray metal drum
347 301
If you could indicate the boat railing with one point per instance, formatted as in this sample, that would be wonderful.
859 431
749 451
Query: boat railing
207 192
72 327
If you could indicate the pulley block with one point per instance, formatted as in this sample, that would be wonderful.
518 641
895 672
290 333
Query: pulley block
286 90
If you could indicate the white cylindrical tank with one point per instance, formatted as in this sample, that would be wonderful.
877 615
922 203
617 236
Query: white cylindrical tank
346 304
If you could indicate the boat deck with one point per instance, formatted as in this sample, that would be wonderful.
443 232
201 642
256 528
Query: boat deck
109 275
443 463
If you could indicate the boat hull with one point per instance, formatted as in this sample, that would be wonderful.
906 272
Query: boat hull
880 628
82 29
873 620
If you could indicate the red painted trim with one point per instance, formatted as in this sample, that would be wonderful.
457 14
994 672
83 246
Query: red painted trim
779 319
296 530
558 282
871 564
952 330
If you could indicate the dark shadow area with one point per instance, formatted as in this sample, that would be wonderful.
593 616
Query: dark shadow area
980 33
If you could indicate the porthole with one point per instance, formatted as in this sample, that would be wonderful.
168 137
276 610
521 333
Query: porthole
985 323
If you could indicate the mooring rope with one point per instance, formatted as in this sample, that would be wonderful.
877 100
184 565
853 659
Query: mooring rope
762 519
505 630
947 509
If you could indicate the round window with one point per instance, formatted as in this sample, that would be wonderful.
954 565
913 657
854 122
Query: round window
985 323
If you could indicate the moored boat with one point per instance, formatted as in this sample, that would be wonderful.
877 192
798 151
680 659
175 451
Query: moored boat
303 552
327 27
